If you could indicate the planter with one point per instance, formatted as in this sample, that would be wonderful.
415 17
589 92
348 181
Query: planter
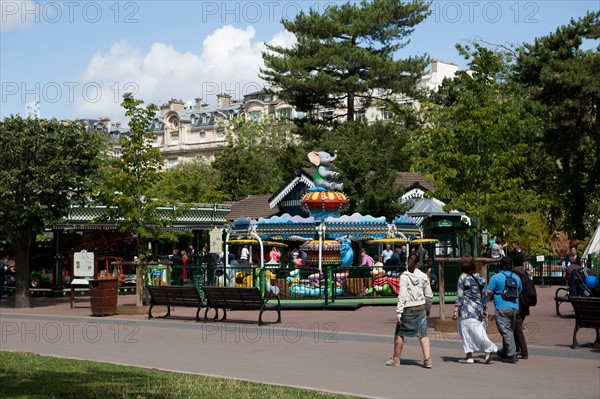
103 296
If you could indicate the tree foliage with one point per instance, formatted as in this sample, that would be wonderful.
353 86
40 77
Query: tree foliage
563 78
475 145
189 182
45 166
347 54
128 180
253 161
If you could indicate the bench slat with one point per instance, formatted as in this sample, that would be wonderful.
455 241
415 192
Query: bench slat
237 298
174 296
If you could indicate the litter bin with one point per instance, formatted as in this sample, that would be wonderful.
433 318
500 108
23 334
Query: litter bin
103 296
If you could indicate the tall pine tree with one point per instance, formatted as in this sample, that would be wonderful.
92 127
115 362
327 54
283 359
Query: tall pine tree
347 55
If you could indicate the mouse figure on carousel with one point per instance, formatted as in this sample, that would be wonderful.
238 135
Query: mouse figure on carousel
324 177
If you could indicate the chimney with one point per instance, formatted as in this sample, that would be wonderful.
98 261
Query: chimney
198 103
223 100
176 105
105 120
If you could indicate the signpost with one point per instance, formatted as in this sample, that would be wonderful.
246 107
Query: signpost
83 271
539 259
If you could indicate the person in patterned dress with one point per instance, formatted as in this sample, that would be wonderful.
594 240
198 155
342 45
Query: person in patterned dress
471 312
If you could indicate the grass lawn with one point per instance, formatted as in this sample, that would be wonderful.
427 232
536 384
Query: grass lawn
26 375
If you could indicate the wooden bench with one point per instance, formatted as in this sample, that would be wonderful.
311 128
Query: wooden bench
561 296
587 315
238 298
167 295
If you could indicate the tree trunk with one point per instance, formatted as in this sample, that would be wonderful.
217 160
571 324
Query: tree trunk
22 252
350 105
597 135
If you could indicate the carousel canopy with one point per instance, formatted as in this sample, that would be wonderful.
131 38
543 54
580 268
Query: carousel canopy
354 227
286 227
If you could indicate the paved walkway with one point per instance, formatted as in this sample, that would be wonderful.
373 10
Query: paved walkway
336 351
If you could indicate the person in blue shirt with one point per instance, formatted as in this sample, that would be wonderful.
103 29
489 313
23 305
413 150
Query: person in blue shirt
506 309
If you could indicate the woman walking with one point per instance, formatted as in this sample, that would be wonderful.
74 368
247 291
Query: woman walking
414 304
471 310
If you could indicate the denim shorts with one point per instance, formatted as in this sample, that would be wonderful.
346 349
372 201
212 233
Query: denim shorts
414 323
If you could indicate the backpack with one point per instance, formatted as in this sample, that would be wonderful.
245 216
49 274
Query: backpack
511 288
528 296
577 286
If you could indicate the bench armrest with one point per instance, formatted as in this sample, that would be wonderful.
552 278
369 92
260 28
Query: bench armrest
271 297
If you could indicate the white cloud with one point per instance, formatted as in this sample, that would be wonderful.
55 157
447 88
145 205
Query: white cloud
283 39
228 61
15 15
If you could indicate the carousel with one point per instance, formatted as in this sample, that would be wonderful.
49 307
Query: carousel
320 260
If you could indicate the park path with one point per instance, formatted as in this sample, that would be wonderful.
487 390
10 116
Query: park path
335 351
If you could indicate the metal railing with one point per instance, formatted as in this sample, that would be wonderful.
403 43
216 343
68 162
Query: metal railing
337 282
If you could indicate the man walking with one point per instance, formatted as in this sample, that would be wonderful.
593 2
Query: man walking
507 306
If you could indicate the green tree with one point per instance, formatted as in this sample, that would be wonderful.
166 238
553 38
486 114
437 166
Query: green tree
45 166
128 180
190 182
347 54
252 162
475 145
563 78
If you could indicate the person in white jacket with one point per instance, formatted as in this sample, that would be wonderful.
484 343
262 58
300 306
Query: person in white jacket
414 305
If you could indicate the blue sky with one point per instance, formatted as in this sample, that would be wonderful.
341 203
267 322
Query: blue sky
81 56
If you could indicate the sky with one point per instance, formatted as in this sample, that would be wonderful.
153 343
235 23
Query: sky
79 57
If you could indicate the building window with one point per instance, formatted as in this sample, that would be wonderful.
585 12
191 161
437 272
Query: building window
116 152
327 115
173 162
285 113
255 116
361 115
384 114
174 130
175 138
220 133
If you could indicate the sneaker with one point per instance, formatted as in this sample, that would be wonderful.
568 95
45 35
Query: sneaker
501 355
466 360
427 363
510 359
488 357
392 362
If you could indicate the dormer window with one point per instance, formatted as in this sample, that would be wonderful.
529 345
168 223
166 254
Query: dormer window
194 119
255 116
